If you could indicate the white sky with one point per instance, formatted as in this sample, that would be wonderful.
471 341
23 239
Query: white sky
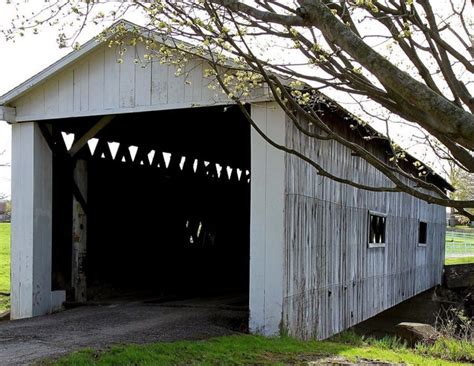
19 61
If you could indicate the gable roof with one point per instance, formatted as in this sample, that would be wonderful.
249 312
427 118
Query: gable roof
91 45
84 50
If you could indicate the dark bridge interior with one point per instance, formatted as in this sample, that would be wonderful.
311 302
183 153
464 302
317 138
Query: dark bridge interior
168 204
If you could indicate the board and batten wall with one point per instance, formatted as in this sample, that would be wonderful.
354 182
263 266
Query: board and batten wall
332 279
96 84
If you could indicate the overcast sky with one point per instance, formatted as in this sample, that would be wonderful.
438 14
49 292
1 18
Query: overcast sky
19 61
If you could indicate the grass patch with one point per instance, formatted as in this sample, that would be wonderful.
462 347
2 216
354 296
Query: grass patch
247 350
4 265
458 260
457 350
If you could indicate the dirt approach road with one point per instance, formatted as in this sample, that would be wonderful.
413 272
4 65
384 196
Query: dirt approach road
22 342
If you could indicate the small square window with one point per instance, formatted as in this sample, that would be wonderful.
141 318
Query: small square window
376 229
422 233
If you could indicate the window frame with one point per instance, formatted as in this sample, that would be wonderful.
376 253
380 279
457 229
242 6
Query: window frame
380 214
426 233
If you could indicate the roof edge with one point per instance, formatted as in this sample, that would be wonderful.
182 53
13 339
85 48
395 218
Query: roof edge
66 60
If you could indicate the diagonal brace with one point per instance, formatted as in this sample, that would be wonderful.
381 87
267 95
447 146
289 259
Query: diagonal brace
82 141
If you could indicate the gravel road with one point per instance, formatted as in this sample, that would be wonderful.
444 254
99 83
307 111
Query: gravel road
22 342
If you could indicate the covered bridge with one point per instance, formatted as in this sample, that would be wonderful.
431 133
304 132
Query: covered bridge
167 190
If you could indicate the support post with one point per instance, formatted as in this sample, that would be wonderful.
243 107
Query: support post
31 224
79 233
267 235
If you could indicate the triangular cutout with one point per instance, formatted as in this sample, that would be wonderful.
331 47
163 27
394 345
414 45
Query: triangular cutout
103 149
123 154
113 146
151 155
92 143
141 157
133 151
158 160
219 170
181 163
167 158
68 139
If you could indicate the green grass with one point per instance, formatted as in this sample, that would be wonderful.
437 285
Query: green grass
459 260
458 350
249 350
4 265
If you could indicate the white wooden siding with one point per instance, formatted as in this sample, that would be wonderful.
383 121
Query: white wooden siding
332 279
97 84
267 220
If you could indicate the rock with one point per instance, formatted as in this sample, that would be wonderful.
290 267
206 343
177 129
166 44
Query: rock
459 275
5 315
414 333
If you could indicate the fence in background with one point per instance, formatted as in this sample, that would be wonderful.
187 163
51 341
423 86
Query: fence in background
459 243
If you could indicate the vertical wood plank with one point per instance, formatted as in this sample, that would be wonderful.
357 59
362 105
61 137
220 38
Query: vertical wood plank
332 279
96 84
111 79
127 79
159 83
143 79
66 92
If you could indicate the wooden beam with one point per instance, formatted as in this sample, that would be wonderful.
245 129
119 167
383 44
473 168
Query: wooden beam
79 233
82 141
7 114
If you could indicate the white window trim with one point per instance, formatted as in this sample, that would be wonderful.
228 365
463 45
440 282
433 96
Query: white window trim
376 213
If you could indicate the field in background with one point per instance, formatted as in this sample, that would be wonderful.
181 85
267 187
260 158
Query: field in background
459 246
4 266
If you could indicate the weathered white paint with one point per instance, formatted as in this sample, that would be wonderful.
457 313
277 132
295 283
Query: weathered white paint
333 280
7 114
31 223
79 234
311 270
96 85
267 221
